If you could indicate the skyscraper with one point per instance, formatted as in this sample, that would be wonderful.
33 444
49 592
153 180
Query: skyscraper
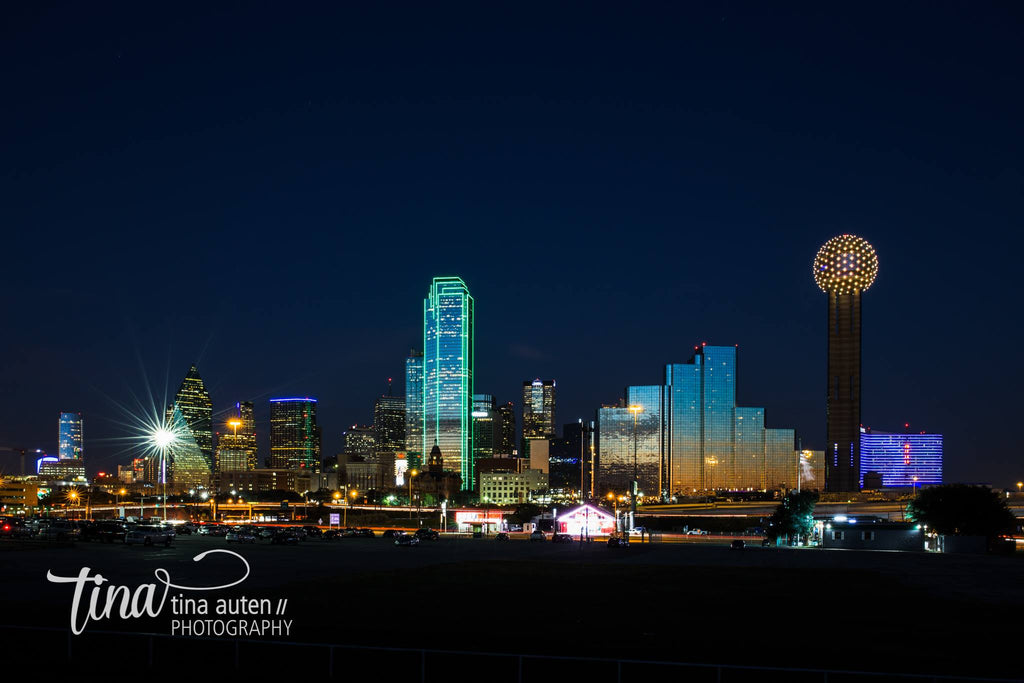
236 447
844 267
196 409
505 430
414 408
294 434
69 437
389 423
484 424
448 375
539 409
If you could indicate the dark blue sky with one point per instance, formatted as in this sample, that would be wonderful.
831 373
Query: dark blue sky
268 191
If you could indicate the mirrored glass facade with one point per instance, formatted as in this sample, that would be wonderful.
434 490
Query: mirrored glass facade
448 375
186 465
701 440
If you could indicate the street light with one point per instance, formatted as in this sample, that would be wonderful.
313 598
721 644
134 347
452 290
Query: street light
1020 485
163 438
412 473
635 485
913 490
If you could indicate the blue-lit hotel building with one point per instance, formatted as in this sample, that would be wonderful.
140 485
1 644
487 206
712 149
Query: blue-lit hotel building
691 436
903 460
448 375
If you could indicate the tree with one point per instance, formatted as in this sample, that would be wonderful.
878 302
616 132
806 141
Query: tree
962 509
794 516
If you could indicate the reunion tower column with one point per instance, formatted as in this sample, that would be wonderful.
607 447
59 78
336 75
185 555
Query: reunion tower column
844 268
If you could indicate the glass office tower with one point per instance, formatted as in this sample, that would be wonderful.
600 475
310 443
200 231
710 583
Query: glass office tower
414 408
615 450
196 408
448 375
903 460
69 436
294 434
539 409
696 438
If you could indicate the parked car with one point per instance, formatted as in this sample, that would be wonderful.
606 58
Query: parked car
104 532
561 538
284 537
313 531
427 534
696 532
212 529
502 536
365 533
15 527
186 529
240 535
349 532
149 534
738 544
538 535
57 530
617 542
406 539
389 533
330 535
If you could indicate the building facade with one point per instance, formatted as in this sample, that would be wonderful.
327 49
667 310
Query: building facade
903 460
414 408
69 439
294 434
360 441
389 423
505 430
510 488
484 425
448 314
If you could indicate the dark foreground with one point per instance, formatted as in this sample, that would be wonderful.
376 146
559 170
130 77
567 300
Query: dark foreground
807 609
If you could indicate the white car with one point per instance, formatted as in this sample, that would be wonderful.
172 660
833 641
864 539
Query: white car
149 534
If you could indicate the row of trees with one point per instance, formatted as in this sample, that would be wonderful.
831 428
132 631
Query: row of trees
960 509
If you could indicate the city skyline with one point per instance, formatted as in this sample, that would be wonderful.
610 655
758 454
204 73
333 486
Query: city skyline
612 211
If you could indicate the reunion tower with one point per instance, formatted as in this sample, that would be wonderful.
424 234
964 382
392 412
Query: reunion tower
844 267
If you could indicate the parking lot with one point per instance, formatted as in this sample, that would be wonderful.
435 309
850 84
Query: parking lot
691 602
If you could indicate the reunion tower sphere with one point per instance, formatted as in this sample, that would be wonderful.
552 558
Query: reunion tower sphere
845 264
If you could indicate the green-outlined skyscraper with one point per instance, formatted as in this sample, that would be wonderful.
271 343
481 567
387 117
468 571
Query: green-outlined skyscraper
448 375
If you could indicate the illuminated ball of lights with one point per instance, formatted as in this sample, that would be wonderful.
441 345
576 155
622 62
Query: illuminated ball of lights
845 264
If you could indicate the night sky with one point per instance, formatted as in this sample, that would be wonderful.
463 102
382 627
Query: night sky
268 190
